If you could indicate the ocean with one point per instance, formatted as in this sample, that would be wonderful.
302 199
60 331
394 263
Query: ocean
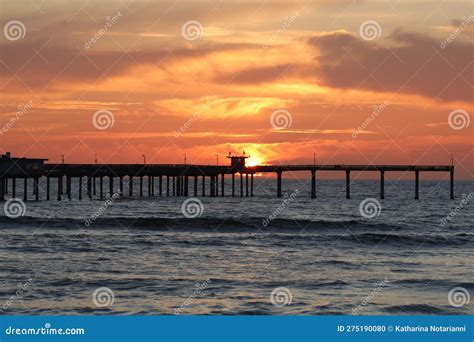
258 255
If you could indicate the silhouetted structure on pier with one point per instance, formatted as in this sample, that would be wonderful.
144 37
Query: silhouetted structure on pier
174 179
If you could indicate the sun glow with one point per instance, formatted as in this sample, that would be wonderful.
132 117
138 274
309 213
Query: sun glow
254 160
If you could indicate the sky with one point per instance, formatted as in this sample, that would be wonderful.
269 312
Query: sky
346 82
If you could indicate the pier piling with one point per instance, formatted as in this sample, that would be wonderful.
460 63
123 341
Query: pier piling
25 189
382 184
203 186
279 184
186 185
141 186
222 184
60 182
195 186
251 185
80 188
246 185
348 184
233 184
89 186
111 185
48 180
417 184
451 184
101 187
68 187
36 186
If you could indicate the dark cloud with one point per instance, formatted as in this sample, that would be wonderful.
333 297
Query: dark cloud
408 63
37 63
259 75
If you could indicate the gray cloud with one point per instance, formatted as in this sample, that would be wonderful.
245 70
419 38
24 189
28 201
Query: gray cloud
412 63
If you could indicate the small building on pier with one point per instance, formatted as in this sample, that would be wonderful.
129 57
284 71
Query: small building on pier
11 167
237 163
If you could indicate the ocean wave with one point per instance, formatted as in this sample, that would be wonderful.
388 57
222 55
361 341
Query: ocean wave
417 309
160 223
416 239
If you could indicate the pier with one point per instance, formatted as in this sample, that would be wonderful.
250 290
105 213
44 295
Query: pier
173 179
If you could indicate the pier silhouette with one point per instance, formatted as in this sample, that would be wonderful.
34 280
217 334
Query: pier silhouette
175 179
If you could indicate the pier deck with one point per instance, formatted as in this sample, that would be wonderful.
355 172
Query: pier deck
174 179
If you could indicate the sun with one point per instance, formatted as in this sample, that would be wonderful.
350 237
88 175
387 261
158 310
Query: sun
253 161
